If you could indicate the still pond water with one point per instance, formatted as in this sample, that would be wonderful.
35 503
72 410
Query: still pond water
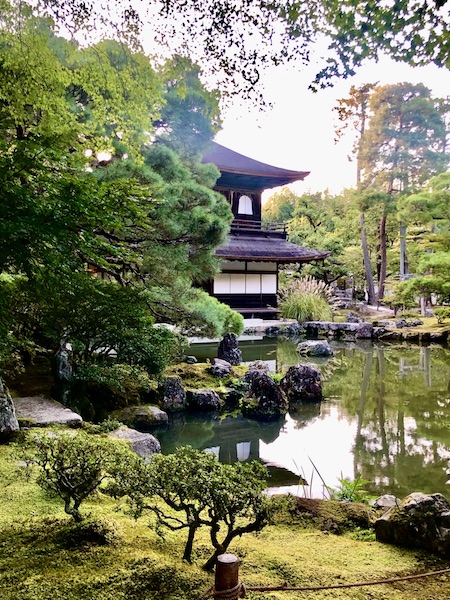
385 417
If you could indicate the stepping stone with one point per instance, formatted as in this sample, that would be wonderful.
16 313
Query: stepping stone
35 411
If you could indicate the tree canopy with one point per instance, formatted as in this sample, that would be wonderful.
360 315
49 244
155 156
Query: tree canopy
235 40
108 219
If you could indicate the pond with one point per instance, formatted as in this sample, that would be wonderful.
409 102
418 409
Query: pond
385 417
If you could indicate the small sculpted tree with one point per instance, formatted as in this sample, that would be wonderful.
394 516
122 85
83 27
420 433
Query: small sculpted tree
74 466
190 489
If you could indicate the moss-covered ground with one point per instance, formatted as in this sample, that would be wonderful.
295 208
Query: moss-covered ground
44 557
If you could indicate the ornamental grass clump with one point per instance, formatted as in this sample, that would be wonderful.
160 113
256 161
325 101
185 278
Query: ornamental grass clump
306 299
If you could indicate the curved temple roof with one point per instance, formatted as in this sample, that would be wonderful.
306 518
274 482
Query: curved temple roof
263 249
241 171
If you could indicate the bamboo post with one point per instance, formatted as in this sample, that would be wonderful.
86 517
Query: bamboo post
227 583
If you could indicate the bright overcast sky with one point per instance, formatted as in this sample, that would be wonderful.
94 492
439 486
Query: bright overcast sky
298 132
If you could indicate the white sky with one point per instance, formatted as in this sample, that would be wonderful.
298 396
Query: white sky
298 132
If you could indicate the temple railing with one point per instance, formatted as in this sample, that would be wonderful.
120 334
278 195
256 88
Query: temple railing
259 227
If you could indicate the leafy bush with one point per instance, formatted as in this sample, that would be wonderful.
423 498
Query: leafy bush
73 466
306 299
441 313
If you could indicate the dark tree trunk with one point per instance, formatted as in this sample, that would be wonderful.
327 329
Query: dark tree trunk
367 265
383 257
190 543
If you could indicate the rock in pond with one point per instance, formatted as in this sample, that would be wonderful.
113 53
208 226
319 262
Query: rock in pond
144 444
173 394
8 420
302 384
143 417
315 348
203 400
418 521
228 349
265 400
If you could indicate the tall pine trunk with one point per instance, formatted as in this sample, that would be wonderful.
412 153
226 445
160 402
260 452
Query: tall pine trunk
383 256
366 259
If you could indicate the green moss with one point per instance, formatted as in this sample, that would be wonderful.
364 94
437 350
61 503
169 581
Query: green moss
38 563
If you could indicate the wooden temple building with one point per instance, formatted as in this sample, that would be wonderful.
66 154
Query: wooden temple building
251 257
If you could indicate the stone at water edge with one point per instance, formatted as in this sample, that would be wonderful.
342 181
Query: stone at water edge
315 348
228 349
203 400
141 417
143 444
265 400
173 395
302 384
8 420
418 521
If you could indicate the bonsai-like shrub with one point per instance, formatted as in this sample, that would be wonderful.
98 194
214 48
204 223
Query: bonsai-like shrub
197 491
73 466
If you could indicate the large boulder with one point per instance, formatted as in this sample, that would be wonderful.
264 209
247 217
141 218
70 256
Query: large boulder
315 348
203 400
220 368
418 521
264 400
172 395
144 444
228 349
302 384
143 417
8 420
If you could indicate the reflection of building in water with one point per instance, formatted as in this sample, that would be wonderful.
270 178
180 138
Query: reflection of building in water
405 367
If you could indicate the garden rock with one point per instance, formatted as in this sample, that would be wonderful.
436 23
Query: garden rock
143 444
265 400
8 420
173 395
190 360
302 384
272 331
364 330
228 349
255 368
220 368
315 348
203 400
352 317
294 330
35 411
141 417
385 502
418 521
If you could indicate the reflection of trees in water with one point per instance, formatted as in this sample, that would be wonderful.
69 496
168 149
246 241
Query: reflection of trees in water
400 442
399 395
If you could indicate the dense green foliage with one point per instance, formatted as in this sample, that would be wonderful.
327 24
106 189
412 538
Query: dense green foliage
108 219
197 491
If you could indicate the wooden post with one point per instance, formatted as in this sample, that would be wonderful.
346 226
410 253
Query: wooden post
227 576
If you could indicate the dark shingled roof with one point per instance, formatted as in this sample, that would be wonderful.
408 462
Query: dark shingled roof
243 247
240 171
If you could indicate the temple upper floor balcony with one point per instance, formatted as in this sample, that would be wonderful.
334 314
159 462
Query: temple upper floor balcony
259 228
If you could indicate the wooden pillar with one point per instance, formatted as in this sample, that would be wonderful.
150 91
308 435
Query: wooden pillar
227 575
